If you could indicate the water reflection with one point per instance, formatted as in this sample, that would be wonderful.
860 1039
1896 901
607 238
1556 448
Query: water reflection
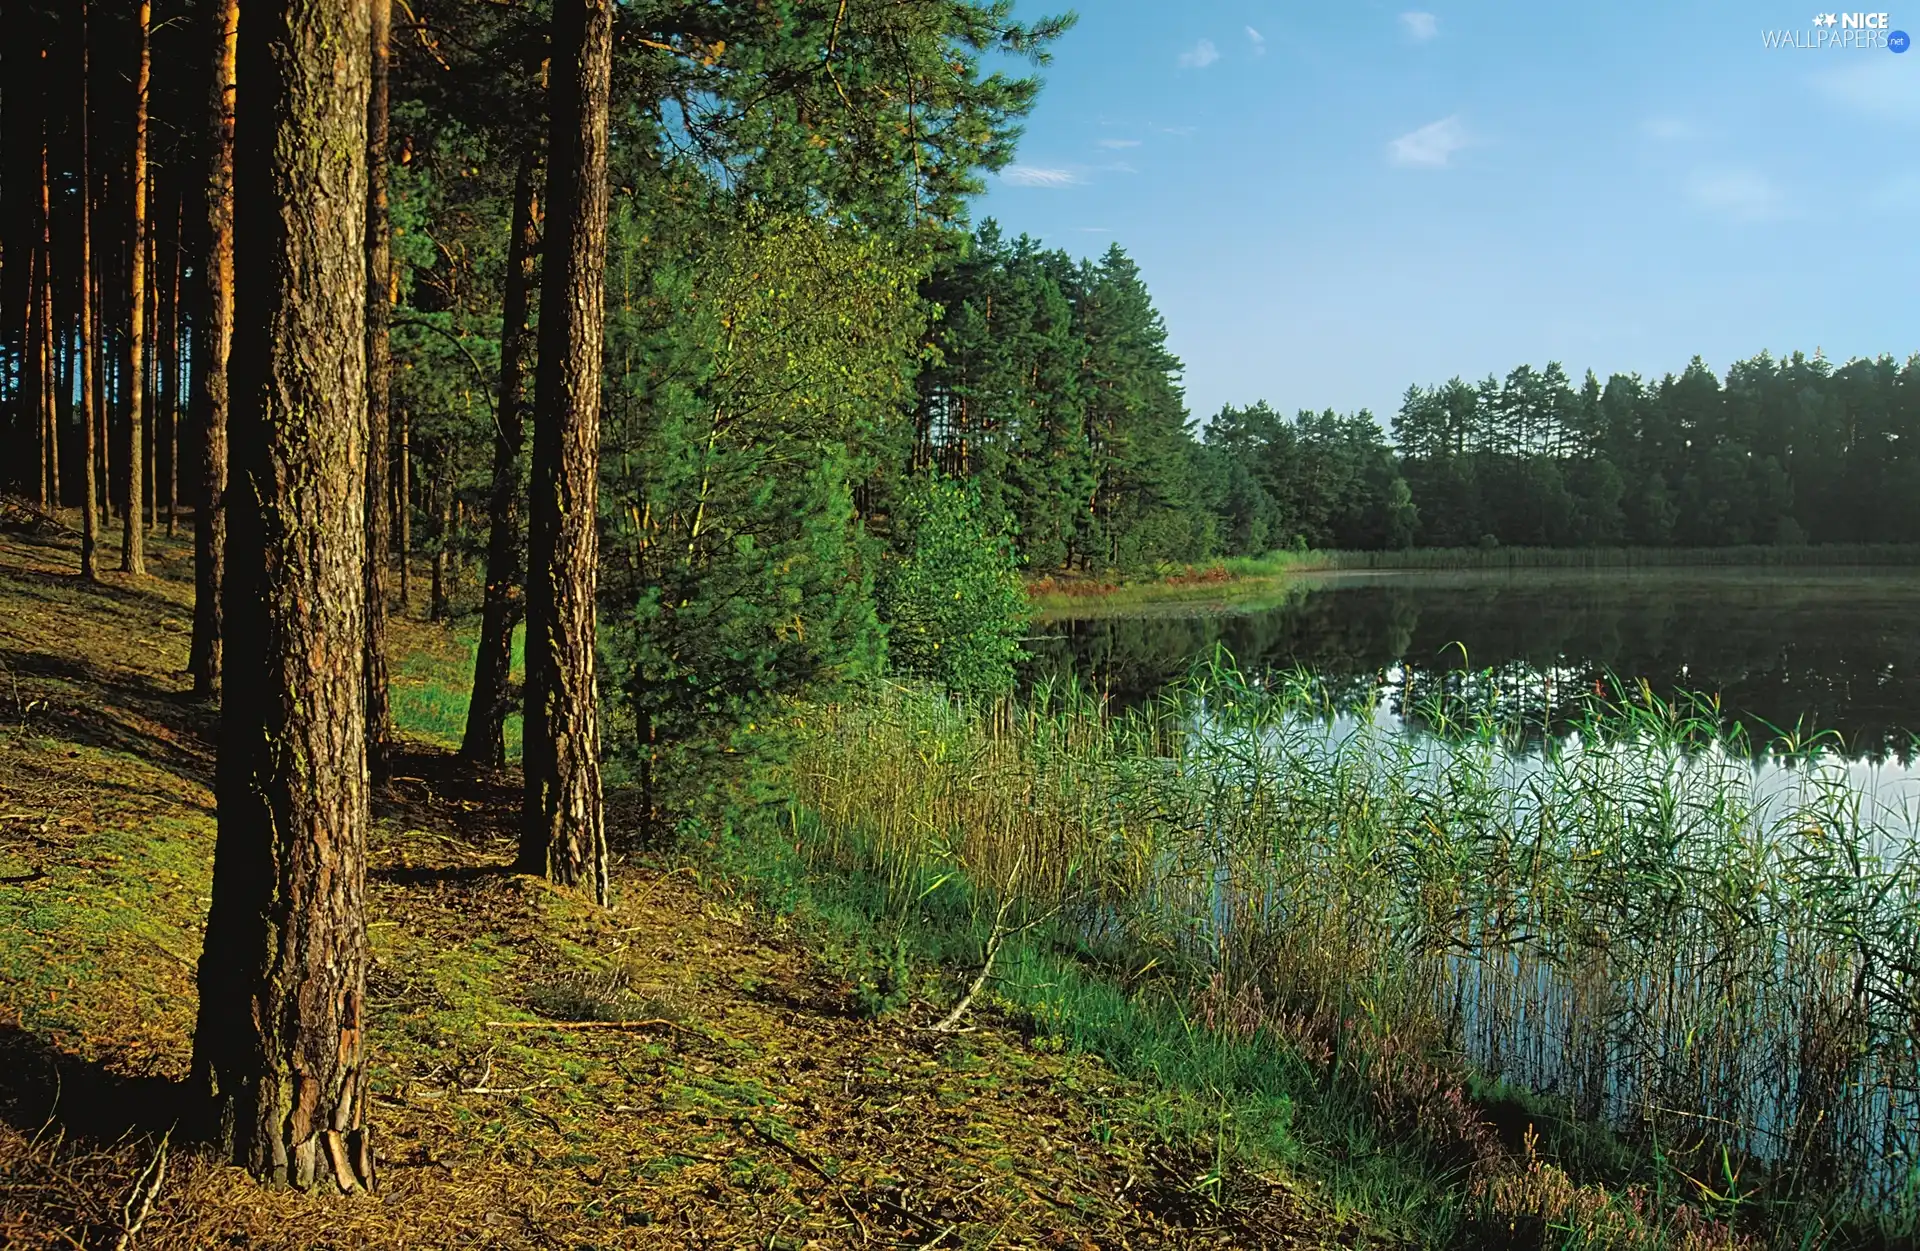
1830 651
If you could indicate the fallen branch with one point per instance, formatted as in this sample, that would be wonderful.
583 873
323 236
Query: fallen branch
950 1024
657 1023
811 1165
146 1188
482 1087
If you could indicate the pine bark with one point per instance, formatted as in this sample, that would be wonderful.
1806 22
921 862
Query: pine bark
379 373
485 741
440 492
171 371
90 510
133 551
403 504
279 1042
49 428
211 348
563 835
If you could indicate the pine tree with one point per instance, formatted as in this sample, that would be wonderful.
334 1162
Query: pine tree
280 1038
213 345
564 828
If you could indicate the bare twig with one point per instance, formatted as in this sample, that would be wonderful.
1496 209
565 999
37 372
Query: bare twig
482 1087
656 1023
146 1188
811 1165
950 1024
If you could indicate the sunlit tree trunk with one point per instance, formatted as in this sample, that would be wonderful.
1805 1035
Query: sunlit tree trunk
379 279
438 494
212 342
133 551
170 358
486 736
90 506
43 350
563 836
280 1040
403 504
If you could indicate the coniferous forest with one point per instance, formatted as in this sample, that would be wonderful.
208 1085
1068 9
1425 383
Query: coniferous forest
584 442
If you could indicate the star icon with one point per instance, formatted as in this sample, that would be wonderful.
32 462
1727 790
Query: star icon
1830 21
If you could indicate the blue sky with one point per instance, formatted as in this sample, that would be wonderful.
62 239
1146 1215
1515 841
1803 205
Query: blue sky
1332 201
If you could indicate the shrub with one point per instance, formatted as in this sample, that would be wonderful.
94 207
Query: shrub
950 594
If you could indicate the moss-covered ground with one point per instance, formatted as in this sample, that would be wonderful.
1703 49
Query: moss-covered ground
687 1069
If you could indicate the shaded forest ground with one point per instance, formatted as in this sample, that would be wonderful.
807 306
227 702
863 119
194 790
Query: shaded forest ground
745 1103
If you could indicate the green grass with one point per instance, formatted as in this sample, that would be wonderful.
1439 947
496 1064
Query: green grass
432 685
1239 581
1252 1103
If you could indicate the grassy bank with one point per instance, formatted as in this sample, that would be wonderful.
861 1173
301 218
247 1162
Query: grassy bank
1237 581
1710 984
1838 555
1251 582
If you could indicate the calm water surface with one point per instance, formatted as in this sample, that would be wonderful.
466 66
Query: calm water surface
1836 651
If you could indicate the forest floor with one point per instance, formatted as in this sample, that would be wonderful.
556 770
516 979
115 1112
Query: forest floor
682 1070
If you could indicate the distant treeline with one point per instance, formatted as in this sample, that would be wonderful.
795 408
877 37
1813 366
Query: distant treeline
1052 389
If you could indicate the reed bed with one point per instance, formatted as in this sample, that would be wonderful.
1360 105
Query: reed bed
1633 920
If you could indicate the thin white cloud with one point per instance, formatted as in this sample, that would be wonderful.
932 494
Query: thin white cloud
1901 195
1884 87
1741 194
1200 55
1120 167
1119 143
1175 130
1432 146
1258 40
1671 129
1038 176
1419 26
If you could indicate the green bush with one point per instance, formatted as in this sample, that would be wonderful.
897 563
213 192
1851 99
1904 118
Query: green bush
950 594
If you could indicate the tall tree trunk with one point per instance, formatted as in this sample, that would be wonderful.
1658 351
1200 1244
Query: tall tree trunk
212 341
379 278
150 429
563 835
403 503
440 493
280 1035
172 371
41 357
29 413
486 737
89 510
49 352
102 367
133 550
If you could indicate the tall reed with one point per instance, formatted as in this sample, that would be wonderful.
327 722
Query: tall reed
1718 959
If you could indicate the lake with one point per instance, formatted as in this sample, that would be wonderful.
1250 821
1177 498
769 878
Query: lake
1606 1001
1836 651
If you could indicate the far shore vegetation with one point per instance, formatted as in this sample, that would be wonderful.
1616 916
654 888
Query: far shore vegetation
1244 582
